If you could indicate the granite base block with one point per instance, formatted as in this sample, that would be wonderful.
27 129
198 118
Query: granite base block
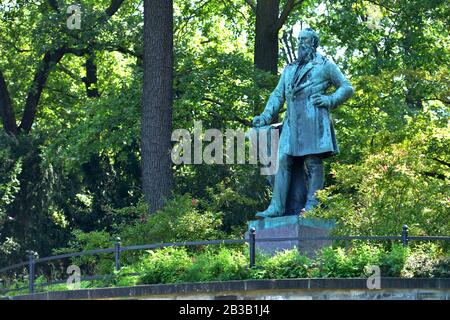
291 226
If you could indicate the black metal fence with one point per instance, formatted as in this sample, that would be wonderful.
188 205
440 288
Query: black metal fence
251 240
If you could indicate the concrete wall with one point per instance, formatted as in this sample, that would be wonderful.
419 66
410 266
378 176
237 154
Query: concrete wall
288 289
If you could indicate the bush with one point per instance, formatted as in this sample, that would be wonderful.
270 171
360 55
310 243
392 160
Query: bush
442 268
402 184
285 264
336 263
102 263
218 265
422 262
393 261
177 221
168 265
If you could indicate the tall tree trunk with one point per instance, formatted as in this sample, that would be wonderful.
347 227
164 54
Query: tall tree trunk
6 109
91 78
157 102
269 22
412 99
266 38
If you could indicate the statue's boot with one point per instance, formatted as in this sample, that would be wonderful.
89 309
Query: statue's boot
270 212
315 172
280 189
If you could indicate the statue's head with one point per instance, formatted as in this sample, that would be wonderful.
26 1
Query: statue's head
310 37
308 41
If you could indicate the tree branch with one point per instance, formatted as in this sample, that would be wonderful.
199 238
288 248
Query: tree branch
234 8
290 4
75 51
113 7
251 4
51 58
90 80
232 116
13 45
382 5
63 92
69 73
54 5
6 109
286 48
186 20
441 162
121 49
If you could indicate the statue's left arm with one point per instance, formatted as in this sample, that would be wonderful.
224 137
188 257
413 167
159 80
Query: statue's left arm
274 104
344 89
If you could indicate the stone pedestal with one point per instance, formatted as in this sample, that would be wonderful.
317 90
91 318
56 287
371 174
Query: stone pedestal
291 226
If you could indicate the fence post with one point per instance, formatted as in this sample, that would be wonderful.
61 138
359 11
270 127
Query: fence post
405 235
117 253
31 263
252 243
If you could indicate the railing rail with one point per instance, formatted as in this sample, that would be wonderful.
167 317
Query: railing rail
251 240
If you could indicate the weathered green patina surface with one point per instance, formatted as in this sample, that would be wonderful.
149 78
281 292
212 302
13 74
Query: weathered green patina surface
308 134
307 128
292 226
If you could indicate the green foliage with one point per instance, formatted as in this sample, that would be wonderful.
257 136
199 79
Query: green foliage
90 264
178 264
166 266
218 265
9 172
10 169
285 264
404 184
442 268
174 265
80 170
393 261
29 217
123 277
423 262
179 220
336 263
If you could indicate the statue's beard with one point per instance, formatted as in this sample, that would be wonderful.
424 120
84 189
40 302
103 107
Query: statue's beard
305 54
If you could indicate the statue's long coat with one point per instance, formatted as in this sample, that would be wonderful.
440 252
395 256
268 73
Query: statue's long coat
307 129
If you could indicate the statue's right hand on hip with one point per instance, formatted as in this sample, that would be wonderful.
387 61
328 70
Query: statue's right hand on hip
322 101
258 121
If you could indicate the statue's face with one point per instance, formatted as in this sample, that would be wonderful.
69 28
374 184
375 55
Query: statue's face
304 39
305 47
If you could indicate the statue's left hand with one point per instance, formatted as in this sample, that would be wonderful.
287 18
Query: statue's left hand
322 101
258 121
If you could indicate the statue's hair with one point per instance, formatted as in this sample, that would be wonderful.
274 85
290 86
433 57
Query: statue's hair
314 36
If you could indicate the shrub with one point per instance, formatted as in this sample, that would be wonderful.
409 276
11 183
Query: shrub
284 264
218 265
401 184
442 268
91 264
168 265
393 261
422 262
178 220
123 277
336 263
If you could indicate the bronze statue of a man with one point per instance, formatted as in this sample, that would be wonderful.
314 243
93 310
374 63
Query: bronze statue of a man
307 135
